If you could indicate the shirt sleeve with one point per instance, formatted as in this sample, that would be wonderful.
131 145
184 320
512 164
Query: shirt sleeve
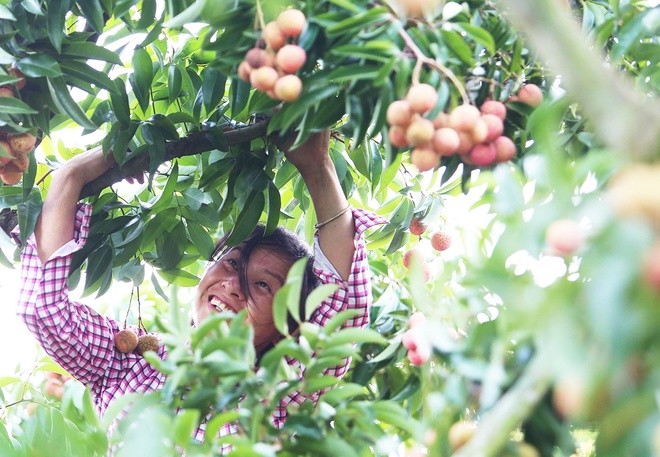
77 337
354 293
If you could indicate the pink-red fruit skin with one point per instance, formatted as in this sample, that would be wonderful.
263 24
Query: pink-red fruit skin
288 88
126 341
399 113
417 227
531 95
495 108
424 158
564 236
651 267
441 240
483 155
290 58
273 36
504 148
291 22
422 97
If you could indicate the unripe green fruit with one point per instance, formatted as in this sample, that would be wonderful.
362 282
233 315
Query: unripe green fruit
290 58
291 22
288 88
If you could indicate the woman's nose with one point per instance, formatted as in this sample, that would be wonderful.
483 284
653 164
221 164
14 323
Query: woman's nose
232 285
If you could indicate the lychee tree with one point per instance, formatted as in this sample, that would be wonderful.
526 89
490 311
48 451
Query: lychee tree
496 338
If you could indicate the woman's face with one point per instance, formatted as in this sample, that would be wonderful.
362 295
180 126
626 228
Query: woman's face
220 290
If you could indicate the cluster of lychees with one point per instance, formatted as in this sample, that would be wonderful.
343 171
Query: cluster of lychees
15 148
54 384
272 69
476 134
127 341
441 240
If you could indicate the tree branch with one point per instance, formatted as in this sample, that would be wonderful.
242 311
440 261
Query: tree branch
194 143
516 404
624 118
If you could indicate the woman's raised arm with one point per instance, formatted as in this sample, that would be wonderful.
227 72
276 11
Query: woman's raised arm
55 223
336 227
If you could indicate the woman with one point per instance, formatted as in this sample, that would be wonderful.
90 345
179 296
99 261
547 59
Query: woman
244 277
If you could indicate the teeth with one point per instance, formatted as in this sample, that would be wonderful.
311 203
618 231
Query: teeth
220 306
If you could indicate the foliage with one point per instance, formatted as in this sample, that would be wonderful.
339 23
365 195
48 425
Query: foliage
150 79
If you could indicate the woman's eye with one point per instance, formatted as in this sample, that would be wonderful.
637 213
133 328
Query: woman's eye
231 263
263 285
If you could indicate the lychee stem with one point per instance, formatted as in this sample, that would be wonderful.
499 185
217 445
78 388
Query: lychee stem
130 300
423 59
260 16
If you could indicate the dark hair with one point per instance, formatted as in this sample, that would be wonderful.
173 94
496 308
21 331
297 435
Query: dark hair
281 241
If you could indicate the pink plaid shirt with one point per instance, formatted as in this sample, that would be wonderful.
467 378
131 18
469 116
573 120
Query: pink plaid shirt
82 341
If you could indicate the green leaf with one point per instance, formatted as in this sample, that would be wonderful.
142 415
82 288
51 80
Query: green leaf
28 212
173 83
316 297
147 14
173 247
247 219
93 12
5 13
280 309
11 105
190 14
274 206
99 265
213 87
65 103
455 42
184 425
353 73
200 238
358 22
143 74
339 319
166 196
295 278
179 277
355 335
8 380
645 23
57 10
119 102
479 35
91 75
240 94
38 65
90 51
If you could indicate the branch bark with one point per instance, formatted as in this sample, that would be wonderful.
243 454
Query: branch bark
516 404
626 120
194 143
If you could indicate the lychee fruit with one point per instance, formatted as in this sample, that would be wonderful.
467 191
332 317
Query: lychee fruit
290 58
505 149
264 78
288 88
22 143
463 117
419 132
564 236
424 158
530 94
445 141
126 341
399 113
148 342
15 72
483 155
440 240
422 97
273 36
291 22
495 108
417 227
397 136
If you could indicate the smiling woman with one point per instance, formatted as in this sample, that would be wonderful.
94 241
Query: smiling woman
242 277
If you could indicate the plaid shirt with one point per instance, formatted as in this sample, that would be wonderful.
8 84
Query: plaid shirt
82 341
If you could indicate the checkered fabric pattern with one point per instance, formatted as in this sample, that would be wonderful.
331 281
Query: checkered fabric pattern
82 340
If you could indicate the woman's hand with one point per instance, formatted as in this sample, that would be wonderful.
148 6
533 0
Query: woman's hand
309 155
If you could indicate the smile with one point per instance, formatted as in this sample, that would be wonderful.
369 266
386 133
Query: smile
219 306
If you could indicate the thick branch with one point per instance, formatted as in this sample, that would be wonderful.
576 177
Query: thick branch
625 119
195 143
516 404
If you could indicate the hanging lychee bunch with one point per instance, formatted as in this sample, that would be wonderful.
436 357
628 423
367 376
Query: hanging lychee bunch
127 341
476 134
54 384
271 65
15 152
